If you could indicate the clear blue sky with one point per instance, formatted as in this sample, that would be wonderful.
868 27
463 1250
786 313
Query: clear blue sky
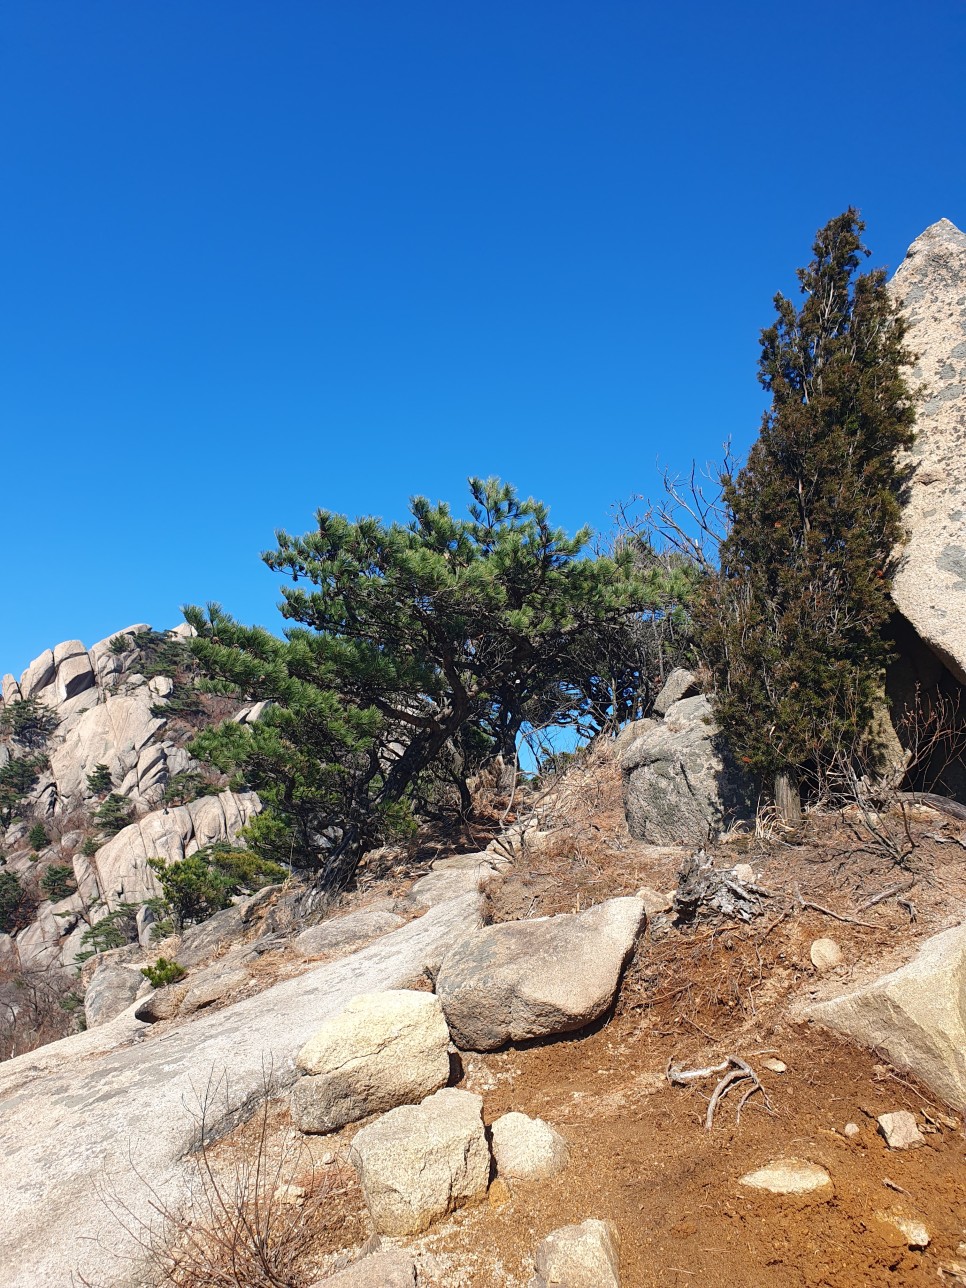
260 258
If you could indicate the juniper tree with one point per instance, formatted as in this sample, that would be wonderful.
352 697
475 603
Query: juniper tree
793 627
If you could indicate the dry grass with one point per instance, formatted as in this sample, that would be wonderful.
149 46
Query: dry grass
255 1213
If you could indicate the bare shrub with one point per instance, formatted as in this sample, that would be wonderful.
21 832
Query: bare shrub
253 1213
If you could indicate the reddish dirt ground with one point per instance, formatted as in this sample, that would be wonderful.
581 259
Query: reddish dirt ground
640 1153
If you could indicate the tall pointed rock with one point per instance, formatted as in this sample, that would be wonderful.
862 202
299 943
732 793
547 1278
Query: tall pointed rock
930 587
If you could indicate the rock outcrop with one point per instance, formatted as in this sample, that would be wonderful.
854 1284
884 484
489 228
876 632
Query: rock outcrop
108 716
116 1103
929 588
680 785
916 1015
121 865
528 979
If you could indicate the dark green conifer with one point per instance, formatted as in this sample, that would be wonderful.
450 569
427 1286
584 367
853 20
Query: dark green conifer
794 626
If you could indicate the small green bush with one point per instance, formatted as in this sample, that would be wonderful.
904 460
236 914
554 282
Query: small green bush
112 814
37 837
15 904
163 972
200 885
99 780
58 882
89 848
115 930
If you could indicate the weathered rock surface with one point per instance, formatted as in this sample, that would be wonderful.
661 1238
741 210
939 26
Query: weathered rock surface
578 1256
789 1176
420 1162
390 1269
214 985
448 883
929 588
112 989
113 1100
680 684
916 1015
346 934
527 979
527 1149
117 733
680 787
122 863
384 1050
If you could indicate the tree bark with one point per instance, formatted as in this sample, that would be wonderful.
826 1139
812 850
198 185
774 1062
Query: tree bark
788 798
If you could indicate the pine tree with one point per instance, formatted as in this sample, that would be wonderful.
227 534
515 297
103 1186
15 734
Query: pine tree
413 646
793 628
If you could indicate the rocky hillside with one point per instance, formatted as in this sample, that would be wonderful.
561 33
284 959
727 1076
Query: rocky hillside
111 785
628 1029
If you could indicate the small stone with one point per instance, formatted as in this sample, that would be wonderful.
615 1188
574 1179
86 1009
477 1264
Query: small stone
499 1194
900 1130
654 902
851 1130
788 1176
328 1159
826 955
744 873
776 1066
291 1194
527 1149
578 1256
910 1229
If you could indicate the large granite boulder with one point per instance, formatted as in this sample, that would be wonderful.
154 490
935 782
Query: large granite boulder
680 785
420 1162
384 1050
929 588
916 1015
528 979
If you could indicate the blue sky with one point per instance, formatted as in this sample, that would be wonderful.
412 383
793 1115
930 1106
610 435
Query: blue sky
260 258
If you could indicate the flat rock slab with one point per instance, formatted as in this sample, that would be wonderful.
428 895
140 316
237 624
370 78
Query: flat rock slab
106 1107
789 1176
578 1256
346 934
528 979
916 1015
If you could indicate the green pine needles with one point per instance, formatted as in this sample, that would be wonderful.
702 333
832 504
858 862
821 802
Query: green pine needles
416 653
794 626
